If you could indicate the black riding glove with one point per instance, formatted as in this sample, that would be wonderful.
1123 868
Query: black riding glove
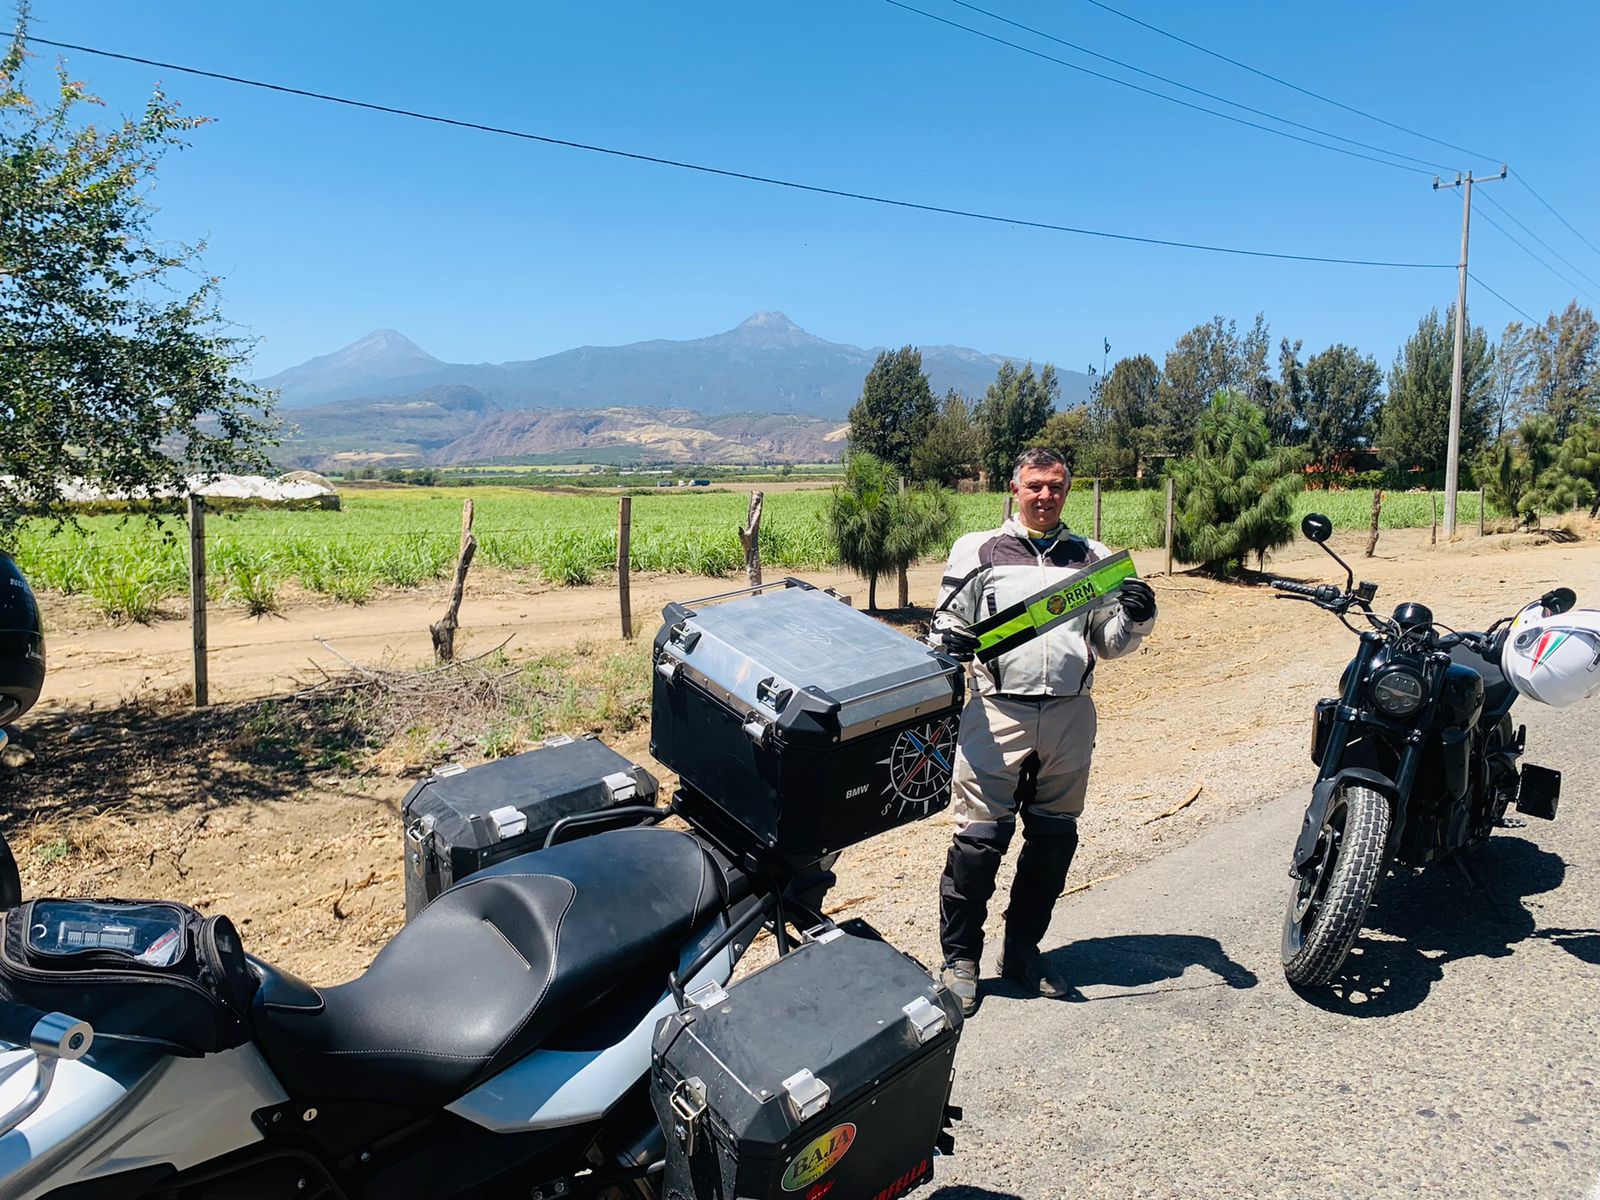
955 644
1138 599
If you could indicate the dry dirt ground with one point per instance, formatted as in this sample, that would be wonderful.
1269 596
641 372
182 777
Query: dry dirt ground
130 793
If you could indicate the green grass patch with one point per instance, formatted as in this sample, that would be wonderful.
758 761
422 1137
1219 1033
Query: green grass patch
404 537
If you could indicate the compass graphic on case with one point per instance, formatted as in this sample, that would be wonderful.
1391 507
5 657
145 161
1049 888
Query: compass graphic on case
919 769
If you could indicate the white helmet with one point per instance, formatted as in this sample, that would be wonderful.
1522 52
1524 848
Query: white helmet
1553 658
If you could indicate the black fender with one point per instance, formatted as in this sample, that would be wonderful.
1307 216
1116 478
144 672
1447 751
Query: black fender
1322 794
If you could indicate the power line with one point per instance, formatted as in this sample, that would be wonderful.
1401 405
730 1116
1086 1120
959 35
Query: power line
1511 216
1510 237
1558 216
1260 112
726 173
1071 66
1534 320
1286 83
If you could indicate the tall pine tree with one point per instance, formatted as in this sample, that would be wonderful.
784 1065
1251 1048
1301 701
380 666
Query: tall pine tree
1011 415
895 410
1235 494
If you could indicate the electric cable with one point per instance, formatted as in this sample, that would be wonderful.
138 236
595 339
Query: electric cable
1260 112
1243 66
1518 177
1510 237
1511 216
1151 91
746 176
1534 321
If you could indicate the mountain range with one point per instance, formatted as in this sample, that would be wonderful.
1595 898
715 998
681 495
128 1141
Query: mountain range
710 399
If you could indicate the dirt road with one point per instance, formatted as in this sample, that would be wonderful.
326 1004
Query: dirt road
1218 699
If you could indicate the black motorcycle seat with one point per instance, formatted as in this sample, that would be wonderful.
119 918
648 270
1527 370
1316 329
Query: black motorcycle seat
489 969
1498 692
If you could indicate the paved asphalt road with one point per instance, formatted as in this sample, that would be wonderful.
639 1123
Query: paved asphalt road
1459 1056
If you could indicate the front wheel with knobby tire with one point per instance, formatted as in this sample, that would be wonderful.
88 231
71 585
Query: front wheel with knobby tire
1330 897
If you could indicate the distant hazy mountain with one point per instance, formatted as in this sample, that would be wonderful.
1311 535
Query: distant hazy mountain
767 364
361 368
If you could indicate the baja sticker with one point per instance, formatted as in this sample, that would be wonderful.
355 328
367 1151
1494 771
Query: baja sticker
820 1157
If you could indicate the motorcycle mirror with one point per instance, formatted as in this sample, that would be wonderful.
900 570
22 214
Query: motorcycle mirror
1316 527
1558 600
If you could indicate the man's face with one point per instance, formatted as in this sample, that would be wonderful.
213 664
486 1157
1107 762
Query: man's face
1040 493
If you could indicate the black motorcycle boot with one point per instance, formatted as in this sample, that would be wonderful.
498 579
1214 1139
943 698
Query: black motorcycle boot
967 886
1041 875
1033 972
961 979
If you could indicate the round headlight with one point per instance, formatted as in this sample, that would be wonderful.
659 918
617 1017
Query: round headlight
1397 693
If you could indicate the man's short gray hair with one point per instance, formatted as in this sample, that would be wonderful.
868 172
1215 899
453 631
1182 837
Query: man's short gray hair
1038 456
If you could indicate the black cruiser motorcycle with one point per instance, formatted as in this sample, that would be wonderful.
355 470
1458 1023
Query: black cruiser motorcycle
1417 759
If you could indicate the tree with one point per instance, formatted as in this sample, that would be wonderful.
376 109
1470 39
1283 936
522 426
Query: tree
1510 377
895 409
1235 494
1073 435
1286 397
1208 359
1416 417
1561 361
949 449
879 528
1128 402
1011 414
1523 476
114 370
1579 458
1340 401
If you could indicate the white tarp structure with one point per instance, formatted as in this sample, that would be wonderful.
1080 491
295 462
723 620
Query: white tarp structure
297 485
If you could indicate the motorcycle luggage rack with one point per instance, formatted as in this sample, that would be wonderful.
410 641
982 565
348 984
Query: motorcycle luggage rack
53 1038
771 907
634 815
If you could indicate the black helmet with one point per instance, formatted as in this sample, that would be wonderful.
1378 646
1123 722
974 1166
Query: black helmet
21 644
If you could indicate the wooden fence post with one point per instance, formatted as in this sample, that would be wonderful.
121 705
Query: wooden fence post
1097 508
1169 525
902 578
1433 530
444 629
1377 507
750 539
624 526
197 596
1482 496
1010 500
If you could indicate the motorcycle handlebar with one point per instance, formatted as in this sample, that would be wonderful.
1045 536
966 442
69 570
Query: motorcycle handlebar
55 1035
1324 593
17 1022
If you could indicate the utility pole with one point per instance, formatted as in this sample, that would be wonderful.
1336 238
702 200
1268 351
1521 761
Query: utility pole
1452 462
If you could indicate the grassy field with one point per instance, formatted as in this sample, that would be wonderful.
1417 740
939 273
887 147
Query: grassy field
403 537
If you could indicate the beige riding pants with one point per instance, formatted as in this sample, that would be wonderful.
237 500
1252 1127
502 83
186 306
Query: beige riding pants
1023 755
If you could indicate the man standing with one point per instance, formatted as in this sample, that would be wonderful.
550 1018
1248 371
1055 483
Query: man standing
1028 730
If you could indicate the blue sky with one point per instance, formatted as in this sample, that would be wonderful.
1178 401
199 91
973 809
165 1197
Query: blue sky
328 222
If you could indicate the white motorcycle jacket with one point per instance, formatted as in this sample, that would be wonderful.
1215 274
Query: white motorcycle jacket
991 570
